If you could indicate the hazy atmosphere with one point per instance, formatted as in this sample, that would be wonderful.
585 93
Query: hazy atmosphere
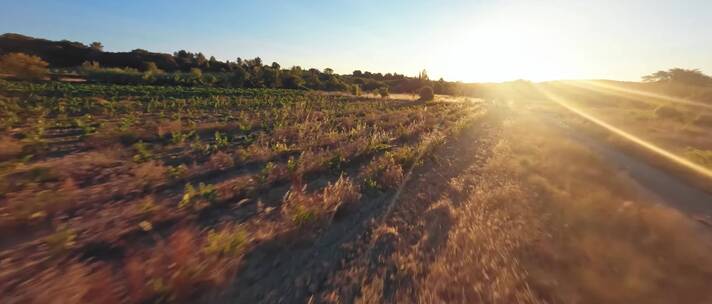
471 41
338 152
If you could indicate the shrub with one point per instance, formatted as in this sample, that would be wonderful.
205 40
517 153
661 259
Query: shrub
23 66
178 172
226 242
198 198
169 127
343 191
143 153
356 90
221 161
196 73
300 206
115 76
391 177
149 173
383 91
174 271
426 93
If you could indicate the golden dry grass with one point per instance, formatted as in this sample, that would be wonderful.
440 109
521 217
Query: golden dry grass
551 223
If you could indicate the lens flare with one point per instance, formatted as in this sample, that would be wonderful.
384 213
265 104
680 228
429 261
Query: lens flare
637 95
632 138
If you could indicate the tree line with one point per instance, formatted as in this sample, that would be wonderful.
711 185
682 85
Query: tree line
195 69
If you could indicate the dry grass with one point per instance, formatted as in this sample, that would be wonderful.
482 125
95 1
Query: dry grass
221 161
342 191
75 283
35 202
309 209
149 173
567 230
9 148
179 268
115 192
169 127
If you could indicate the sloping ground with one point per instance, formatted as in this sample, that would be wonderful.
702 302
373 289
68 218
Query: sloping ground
294 268
520 213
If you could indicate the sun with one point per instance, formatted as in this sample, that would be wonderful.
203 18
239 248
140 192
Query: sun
506 49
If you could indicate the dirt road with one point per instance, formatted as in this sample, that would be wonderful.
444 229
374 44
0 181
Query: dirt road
657 184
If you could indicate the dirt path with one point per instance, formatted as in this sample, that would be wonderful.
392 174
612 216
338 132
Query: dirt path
416 231
657 184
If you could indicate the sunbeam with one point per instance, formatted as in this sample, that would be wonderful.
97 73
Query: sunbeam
628 136
635 94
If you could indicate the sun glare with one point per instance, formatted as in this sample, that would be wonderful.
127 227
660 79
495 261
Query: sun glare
703 171
506 48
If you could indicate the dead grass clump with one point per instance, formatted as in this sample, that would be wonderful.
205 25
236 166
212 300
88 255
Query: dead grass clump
9 148
343 191
169 127
311 161
391 177
35 201
181 267
255 152
148 174
75 283
301 207
221 161
383 173
310 209
82 167
271 173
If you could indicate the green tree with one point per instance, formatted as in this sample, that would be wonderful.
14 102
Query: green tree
270 76
97 46
687 76
239 77
292 79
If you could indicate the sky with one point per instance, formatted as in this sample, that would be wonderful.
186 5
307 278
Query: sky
471 41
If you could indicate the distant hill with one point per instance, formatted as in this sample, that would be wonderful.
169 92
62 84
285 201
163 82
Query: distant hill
62 54
67 54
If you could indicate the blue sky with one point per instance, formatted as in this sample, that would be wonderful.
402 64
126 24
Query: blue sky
457 40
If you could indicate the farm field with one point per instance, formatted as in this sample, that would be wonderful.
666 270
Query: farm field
349 152
142 193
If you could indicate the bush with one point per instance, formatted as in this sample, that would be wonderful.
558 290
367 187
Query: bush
383 91
426 93
356 90
115 76
23 66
